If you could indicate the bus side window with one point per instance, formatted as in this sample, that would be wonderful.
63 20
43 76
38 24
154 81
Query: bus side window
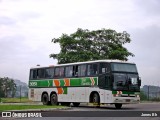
92 69
79 70
56 73
33 74
69 71
82 70
61 72
40 73
49 72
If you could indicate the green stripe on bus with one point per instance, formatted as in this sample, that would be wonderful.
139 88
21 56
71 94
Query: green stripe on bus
65 90
86 81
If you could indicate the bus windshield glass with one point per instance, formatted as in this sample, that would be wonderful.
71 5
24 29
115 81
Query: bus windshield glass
123 67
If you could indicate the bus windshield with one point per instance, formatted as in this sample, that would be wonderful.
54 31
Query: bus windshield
123 67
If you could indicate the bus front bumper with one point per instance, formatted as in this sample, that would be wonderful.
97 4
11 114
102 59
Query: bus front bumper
126 100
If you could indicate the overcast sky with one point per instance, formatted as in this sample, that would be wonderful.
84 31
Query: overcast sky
27 27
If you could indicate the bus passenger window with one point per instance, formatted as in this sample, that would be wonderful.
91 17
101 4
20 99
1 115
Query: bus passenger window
56 74
79 71
40 73
69 71
82 69
61 72
92 69
49 72
103 70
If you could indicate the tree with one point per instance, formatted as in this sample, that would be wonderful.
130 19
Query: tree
1 88
13 87
7 87
85 45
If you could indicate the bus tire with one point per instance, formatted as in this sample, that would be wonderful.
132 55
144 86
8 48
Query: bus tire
118 105
54 99
45 99
96 100
76 104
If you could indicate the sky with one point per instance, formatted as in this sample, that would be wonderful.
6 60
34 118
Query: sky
28 26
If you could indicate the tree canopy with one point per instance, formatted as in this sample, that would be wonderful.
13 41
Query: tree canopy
85 45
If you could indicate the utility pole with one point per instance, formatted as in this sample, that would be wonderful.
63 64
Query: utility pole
20 93
148 92
0 97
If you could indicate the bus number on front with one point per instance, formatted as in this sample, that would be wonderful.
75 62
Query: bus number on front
33 84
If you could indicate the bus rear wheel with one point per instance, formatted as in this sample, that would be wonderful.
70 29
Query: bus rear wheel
54 99
76 104
45 99
118 105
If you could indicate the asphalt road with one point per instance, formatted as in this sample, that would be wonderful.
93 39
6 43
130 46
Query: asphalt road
128 112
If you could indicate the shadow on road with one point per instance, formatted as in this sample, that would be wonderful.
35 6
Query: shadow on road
111 107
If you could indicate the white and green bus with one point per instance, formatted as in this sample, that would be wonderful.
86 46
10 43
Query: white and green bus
97 82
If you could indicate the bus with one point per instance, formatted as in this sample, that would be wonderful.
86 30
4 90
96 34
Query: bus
95 82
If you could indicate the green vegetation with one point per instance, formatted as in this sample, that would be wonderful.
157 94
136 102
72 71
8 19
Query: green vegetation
85 45
143 96
156 99
15 100
7 87
23 107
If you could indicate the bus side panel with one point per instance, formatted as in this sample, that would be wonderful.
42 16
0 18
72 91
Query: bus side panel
74 94
81 94
108 96
35 94
67 96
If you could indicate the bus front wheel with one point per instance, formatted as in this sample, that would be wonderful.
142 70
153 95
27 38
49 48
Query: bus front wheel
45 99
54 99
96 100
118 105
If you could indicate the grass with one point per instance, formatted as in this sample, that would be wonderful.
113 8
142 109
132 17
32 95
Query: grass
23 107
15 100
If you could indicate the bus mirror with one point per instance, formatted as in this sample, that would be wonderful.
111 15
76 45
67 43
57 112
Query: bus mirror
139 81
129 81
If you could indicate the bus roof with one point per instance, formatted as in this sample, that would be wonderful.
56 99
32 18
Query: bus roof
109 61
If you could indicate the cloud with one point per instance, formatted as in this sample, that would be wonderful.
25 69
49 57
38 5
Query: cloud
149 7
29 15
6 21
